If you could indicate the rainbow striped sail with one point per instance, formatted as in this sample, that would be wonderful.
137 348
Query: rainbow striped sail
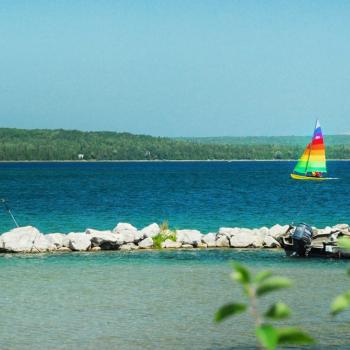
312 164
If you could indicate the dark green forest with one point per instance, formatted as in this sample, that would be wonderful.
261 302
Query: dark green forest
331 140
27 145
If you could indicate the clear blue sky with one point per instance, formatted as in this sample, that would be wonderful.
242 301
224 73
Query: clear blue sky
176 68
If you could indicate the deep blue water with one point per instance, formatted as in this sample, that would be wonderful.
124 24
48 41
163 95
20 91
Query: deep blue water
62 197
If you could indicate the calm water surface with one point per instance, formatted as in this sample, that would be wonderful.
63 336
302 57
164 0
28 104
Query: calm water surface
63 197
155 300
161 300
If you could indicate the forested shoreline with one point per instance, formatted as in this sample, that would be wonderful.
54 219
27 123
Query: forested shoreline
41 145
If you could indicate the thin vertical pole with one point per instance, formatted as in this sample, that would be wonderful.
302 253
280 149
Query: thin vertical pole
3 201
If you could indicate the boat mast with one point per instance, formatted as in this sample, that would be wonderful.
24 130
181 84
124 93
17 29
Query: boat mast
7 208
308 158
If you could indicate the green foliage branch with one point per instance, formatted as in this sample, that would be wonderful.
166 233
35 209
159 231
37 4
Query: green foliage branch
254 287
342 301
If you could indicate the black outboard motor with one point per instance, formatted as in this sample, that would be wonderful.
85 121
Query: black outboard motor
302 237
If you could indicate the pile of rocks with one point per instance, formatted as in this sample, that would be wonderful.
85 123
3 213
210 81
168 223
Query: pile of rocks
124 237
127 237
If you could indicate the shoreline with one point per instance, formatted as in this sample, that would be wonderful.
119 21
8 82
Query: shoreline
125 237
163 161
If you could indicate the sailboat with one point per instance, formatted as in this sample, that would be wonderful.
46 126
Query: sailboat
312 164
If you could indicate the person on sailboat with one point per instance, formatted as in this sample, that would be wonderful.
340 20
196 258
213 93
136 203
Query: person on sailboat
312 163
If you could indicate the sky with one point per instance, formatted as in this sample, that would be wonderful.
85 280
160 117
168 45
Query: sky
176 68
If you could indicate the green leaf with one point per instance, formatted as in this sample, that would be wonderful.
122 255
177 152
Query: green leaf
241 273
272 284
262 276
267 336
340 303
278 311
344 242
229 310
293 336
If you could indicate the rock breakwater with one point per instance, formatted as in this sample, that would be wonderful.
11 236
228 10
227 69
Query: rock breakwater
126 237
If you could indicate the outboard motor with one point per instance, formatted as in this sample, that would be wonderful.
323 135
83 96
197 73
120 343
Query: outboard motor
302 237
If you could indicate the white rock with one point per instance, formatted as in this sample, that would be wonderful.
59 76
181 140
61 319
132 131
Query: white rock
192 237
210 239
202 245
126 237
65 241
106 240
97 233
64 249
168 243
270 242
258 238
125 247
122 226
278 230
95 249
264 230
327 230
26 239
56 239
187 246
228 231
146 243
341 227
78 241
319 231
129 246
151 230
244 239
1 244
138 236
258 242
126 233
222 241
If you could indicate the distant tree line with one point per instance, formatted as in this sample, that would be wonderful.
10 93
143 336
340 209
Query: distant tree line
331 140
19 144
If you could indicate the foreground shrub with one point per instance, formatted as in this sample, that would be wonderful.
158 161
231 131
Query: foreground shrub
255 287
342 301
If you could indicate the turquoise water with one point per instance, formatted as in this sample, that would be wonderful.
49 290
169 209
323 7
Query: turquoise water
155 300
63 197
161 299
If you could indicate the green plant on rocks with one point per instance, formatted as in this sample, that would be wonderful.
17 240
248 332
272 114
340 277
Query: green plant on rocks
164 234
164 226
254 287
342 301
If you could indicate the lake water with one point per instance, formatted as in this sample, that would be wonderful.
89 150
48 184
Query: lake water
156 300
161 299
63 197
